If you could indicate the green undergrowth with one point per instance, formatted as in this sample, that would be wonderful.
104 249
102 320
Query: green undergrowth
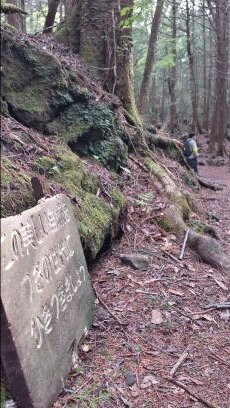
97 218
17 193
91 396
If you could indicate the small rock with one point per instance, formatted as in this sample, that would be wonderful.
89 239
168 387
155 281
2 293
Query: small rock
135 260
148 381
113 272
157 317
130 379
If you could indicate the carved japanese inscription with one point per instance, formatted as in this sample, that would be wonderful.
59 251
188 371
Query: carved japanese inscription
46 299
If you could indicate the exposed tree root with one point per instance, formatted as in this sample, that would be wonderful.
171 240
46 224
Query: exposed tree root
209 184
177 215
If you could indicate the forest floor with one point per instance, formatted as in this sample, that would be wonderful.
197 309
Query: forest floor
148 320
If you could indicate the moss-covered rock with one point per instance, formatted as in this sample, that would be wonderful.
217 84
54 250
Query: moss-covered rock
42 93
17 193
34 83
92 129
97 219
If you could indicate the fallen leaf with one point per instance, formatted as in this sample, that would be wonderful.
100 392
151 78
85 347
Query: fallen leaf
205 317
86 348
157 317
176 292
220 284
191 268
148 381
225 315
147 282
188 378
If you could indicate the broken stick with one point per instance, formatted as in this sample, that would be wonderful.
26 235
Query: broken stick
107 308
225 305
180 361
192 393
184 244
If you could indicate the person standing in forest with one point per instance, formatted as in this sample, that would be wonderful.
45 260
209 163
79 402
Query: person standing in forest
190 151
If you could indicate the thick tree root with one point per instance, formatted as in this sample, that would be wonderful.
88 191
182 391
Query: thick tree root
209 184
177 215
209 250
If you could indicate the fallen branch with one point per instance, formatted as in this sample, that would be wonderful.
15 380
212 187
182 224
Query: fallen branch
192 393
209 184
217 358
180 361
107 308
225 305
184 245
172 257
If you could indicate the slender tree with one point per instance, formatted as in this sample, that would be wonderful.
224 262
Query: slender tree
220 12
173 122
193 85
50 18
150 57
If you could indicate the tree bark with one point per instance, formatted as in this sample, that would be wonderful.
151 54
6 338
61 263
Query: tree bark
50 18
219 120
195 119
102 34
150 57
173 122
15 14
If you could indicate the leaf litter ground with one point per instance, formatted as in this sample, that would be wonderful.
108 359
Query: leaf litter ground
156 315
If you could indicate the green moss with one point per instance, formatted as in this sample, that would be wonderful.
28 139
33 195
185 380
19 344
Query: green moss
189 180
94 219
165 223
183 203
45 164
199 227
118 198
17 193
73 175
30 99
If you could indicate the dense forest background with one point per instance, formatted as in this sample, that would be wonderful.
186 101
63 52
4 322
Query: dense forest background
178 52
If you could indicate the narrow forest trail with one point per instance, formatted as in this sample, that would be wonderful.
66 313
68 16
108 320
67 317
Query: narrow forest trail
147 319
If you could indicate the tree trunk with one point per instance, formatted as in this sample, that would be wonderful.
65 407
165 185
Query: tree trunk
17 19
50 18
195 119
173 122
102 34
150 57
209 90
124 82
204 66
219 120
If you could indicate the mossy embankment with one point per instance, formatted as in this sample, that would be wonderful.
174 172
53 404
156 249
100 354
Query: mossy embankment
27 154
51 91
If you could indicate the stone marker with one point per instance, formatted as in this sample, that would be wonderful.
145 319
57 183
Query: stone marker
46 299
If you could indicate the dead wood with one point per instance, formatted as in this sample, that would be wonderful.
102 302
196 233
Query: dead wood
184 244
209 184
225 305
192 393
177 215
180 361
107 308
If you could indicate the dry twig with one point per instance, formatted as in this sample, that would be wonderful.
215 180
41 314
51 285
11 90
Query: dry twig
192 393
180 361
107 308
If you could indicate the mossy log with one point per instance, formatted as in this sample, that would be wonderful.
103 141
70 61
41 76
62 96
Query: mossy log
208 249
176 218
7 8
